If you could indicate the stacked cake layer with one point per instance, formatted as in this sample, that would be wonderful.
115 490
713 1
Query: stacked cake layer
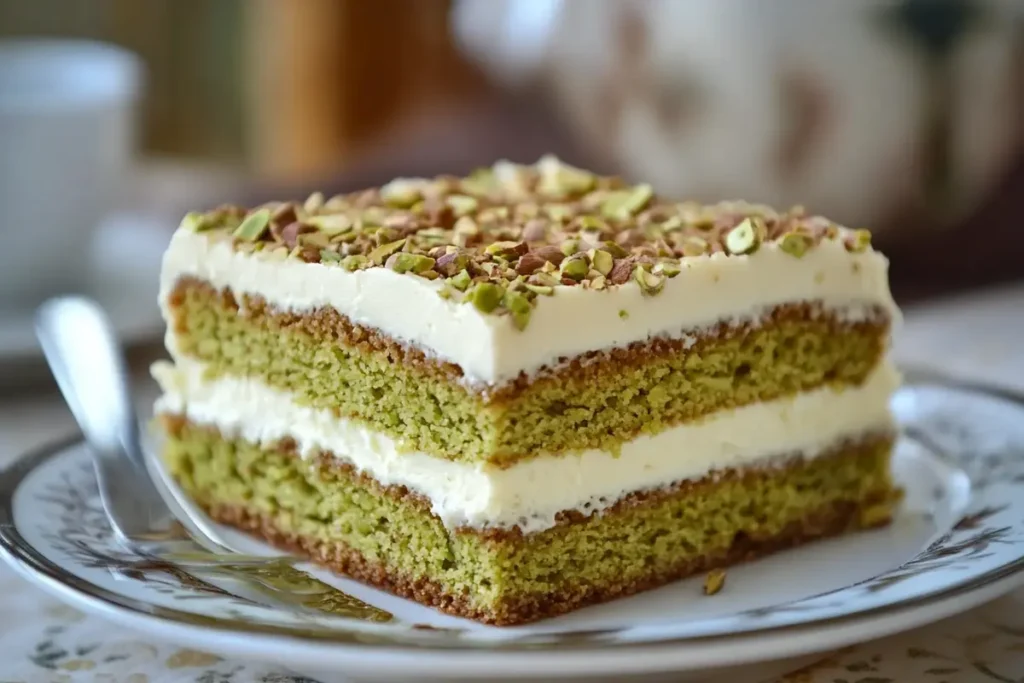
514 394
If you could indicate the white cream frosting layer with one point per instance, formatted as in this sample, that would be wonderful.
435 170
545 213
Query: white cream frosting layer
490 350
530 493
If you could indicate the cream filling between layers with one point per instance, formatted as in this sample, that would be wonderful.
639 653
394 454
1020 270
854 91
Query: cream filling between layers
529 494
490 350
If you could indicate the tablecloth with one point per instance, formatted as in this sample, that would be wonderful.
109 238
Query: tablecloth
977 337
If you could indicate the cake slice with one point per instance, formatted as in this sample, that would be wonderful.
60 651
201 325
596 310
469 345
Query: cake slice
518 393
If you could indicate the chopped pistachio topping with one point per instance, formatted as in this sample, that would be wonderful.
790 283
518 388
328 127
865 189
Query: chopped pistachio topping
667 267
380 254
614 249
561 180
650 283
331 224
402 262
859 241
462 204
194 222
505 236
254 225
624 314
575 267
328 256
354 262
714 581
401 192
519 306
743 239
486 296
695 246
543 290
624 203
460 281
314 203
507 250
795 243
602 261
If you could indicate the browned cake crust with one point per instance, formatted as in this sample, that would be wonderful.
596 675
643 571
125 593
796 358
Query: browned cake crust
828 521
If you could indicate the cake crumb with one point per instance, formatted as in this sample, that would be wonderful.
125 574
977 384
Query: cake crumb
714 581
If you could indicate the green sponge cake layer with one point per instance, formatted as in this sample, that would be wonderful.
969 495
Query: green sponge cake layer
388 536
595 401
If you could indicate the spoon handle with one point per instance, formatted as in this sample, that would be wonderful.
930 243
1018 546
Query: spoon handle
86 361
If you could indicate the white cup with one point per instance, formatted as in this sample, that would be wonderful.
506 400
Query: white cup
67 133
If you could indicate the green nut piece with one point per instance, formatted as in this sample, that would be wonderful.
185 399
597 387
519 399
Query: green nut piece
743 239
380 254
354 262
466 226
543 290
519 306
486 296
615 250
482 181
650 284
695 246
559 213
462 204
452 262
254 226
602 261
313 239
570 247
667 268
507 250
464 229
590 223
859 242
401 193
575 268
623 314
561 180
795 243
545 279
195 222
406 263
331 224
461 280
623 204
671 224
714 581
314 203
328 256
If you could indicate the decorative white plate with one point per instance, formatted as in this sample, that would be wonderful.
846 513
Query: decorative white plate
958 541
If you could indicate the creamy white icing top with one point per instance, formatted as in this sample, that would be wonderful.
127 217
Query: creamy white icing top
531 492
490 350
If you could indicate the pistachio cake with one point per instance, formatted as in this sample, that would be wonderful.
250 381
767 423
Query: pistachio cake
532 389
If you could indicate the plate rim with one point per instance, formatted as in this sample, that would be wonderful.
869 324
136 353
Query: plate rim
31 564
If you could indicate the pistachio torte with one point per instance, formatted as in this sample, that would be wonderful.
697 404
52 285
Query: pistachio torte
532 389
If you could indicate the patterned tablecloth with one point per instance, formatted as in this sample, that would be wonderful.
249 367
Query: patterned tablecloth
43 641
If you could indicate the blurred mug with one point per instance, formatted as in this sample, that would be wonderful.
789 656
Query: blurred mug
67 131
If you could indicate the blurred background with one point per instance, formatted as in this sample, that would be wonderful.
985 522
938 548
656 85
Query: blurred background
117 116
